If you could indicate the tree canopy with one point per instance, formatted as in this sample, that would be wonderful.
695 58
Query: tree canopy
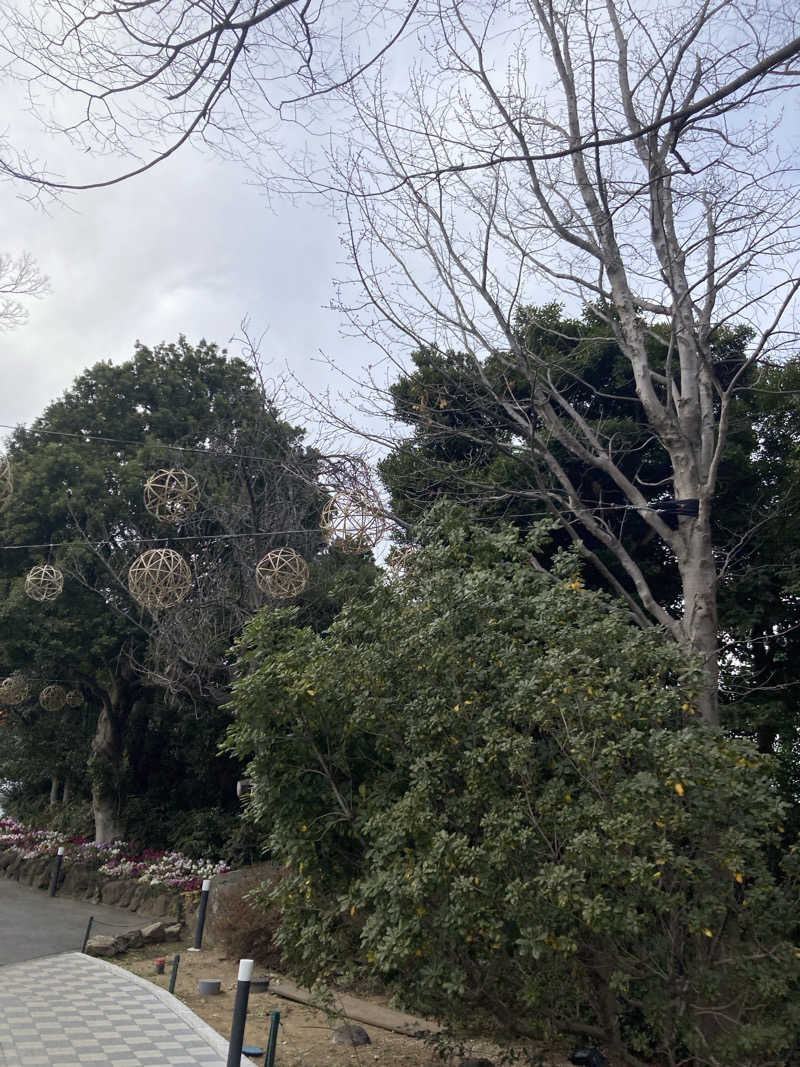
79 471
464 445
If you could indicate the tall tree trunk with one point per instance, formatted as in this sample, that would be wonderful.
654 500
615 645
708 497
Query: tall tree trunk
699 580
65 796
104 769
54 787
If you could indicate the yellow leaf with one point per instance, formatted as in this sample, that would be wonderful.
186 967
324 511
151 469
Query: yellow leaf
353 910
679 789
707 932
739 877
311 692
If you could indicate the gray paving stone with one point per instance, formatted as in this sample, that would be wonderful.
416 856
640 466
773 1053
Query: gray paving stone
74 1009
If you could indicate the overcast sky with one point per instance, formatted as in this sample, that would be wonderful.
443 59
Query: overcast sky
188 248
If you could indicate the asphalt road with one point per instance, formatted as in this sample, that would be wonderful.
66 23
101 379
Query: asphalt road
32 924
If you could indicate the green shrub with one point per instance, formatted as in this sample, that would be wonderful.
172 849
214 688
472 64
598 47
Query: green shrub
492 792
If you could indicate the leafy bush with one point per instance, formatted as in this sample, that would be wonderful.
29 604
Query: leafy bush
493 793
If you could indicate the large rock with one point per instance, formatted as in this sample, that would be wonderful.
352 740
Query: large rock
226 892
173 931
351 1035
154 932
131 938
103 945
36 872
7 857
118 893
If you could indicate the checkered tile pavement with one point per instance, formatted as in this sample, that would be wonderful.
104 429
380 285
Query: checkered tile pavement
69 1010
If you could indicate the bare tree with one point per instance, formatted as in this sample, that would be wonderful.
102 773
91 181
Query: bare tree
141 78
560 148
634 155
20 281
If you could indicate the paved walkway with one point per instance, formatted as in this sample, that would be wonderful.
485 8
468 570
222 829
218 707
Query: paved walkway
70 1010
33 924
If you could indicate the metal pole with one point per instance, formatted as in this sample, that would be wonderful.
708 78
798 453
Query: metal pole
240 1013
88 931
174 975
201 916
57 871
272 1040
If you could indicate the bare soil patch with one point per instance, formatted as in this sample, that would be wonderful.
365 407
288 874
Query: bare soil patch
305 1037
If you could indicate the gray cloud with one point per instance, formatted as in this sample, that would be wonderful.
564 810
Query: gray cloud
187 248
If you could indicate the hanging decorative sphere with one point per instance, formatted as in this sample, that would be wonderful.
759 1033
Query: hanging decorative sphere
159 578
74 698
14 690
400 559
44 582
282 573
171 495
53 698
352 521
6 481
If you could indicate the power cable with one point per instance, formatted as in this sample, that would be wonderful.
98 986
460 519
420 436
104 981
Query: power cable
155 540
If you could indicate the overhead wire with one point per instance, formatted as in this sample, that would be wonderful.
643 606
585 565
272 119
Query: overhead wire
154 540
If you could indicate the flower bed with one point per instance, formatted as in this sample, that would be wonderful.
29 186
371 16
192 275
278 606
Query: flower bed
115 859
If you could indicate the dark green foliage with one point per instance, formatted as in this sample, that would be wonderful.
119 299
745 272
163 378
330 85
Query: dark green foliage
465 446
153 685
492 793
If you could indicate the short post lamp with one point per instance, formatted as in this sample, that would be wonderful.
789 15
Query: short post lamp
240 1013
201 916
57 871
174 974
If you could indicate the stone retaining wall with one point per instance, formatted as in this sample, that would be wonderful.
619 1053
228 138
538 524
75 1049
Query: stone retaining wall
84 883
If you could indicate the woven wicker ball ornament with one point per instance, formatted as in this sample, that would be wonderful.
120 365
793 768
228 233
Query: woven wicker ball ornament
282 573
159 578
352 522
400 561
74 698
171 495
6 482
14 690
44 582
53 698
